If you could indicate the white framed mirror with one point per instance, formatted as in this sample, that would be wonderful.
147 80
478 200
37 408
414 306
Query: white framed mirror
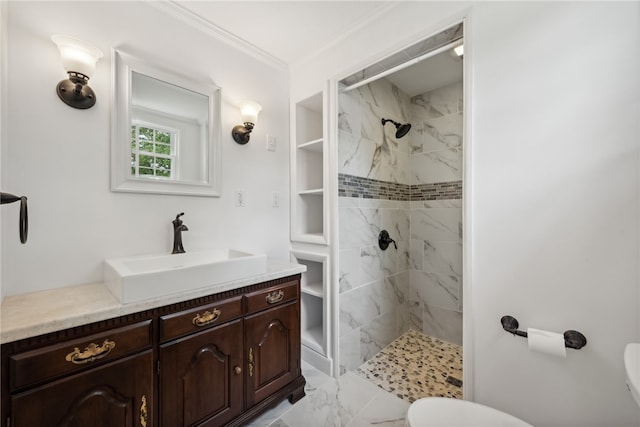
165 136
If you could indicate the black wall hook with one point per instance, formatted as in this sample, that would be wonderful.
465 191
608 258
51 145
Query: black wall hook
572 339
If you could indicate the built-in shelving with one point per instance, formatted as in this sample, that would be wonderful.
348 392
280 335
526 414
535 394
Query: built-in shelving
315 304
308 178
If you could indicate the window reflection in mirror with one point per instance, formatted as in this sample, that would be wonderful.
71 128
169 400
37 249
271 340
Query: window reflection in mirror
166 131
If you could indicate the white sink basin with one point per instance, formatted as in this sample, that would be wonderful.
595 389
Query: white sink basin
143 277
632 367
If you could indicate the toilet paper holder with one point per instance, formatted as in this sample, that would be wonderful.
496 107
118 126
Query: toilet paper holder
572 339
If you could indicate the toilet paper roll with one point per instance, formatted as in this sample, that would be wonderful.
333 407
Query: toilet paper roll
546 342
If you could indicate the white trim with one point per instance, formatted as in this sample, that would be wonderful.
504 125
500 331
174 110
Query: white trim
354 27
122 66
468 370
194 20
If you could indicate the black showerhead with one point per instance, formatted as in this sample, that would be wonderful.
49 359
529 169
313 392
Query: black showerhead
401 129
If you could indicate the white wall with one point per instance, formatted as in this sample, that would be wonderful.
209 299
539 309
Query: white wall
551 192
59 156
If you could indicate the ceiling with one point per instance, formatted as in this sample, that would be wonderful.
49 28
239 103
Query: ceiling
288 30
284 32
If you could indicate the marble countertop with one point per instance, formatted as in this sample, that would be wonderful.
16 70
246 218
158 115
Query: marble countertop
37 313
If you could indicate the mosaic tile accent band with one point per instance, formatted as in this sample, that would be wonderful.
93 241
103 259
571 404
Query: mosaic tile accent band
367 188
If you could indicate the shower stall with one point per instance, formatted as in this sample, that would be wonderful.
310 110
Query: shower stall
405 179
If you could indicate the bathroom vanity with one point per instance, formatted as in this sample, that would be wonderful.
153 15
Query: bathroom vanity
215 359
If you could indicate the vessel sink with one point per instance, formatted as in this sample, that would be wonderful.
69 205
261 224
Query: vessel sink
632 368
138 278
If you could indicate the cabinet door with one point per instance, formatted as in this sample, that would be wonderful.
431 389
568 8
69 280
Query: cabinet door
119 394
201 378
272 350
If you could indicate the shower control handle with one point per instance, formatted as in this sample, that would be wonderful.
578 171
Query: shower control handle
384 240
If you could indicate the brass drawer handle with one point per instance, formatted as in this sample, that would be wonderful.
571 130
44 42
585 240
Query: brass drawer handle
250 361
91 353
207 317
143 411
275 296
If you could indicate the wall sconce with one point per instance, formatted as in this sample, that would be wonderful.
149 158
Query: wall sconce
249 112
79 60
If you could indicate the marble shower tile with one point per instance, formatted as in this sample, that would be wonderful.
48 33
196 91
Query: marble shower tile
378 334
443 101
443 133
443 257
376 264
396 288
438 290
359 306
349 269
349 116
437 224
358 227
396 222
348 202
371 125
416 254
428 204
442 323
404 256
436 166
355 154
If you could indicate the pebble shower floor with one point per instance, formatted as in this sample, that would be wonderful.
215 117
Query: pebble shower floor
415 366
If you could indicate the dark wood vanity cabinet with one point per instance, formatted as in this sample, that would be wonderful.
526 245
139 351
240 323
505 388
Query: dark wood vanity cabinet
115 395
213 361
201 378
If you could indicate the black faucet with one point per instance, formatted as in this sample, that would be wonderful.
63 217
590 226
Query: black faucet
178 228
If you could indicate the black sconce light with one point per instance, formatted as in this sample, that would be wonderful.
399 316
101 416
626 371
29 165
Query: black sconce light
249 112
79 60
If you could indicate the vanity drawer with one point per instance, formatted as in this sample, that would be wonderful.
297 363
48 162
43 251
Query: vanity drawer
272 296
188 321
39 365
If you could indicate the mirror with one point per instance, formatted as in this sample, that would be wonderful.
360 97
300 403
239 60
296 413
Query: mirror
166 131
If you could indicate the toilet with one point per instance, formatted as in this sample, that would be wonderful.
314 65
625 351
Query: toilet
442 412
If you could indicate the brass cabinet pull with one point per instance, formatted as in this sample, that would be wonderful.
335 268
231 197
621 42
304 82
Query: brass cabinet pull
207 317
275 296
91 353
250 361
238 370
143 411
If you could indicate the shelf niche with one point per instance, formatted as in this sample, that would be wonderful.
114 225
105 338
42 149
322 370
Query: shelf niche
314 316
308 181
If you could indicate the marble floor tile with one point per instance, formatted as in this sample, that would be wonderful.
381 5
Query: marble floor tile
314 378
380 391
333 404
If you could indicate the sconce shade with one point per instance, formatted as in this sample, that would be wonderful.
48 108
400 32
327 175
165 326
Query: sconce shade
77 55
79 60
249 111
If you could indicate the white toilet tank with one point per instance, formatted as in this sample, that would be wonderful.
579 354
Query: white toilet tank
447 412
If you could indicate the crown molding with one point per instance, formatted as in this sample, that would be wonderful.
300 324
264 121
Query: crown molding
174 9
353 28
